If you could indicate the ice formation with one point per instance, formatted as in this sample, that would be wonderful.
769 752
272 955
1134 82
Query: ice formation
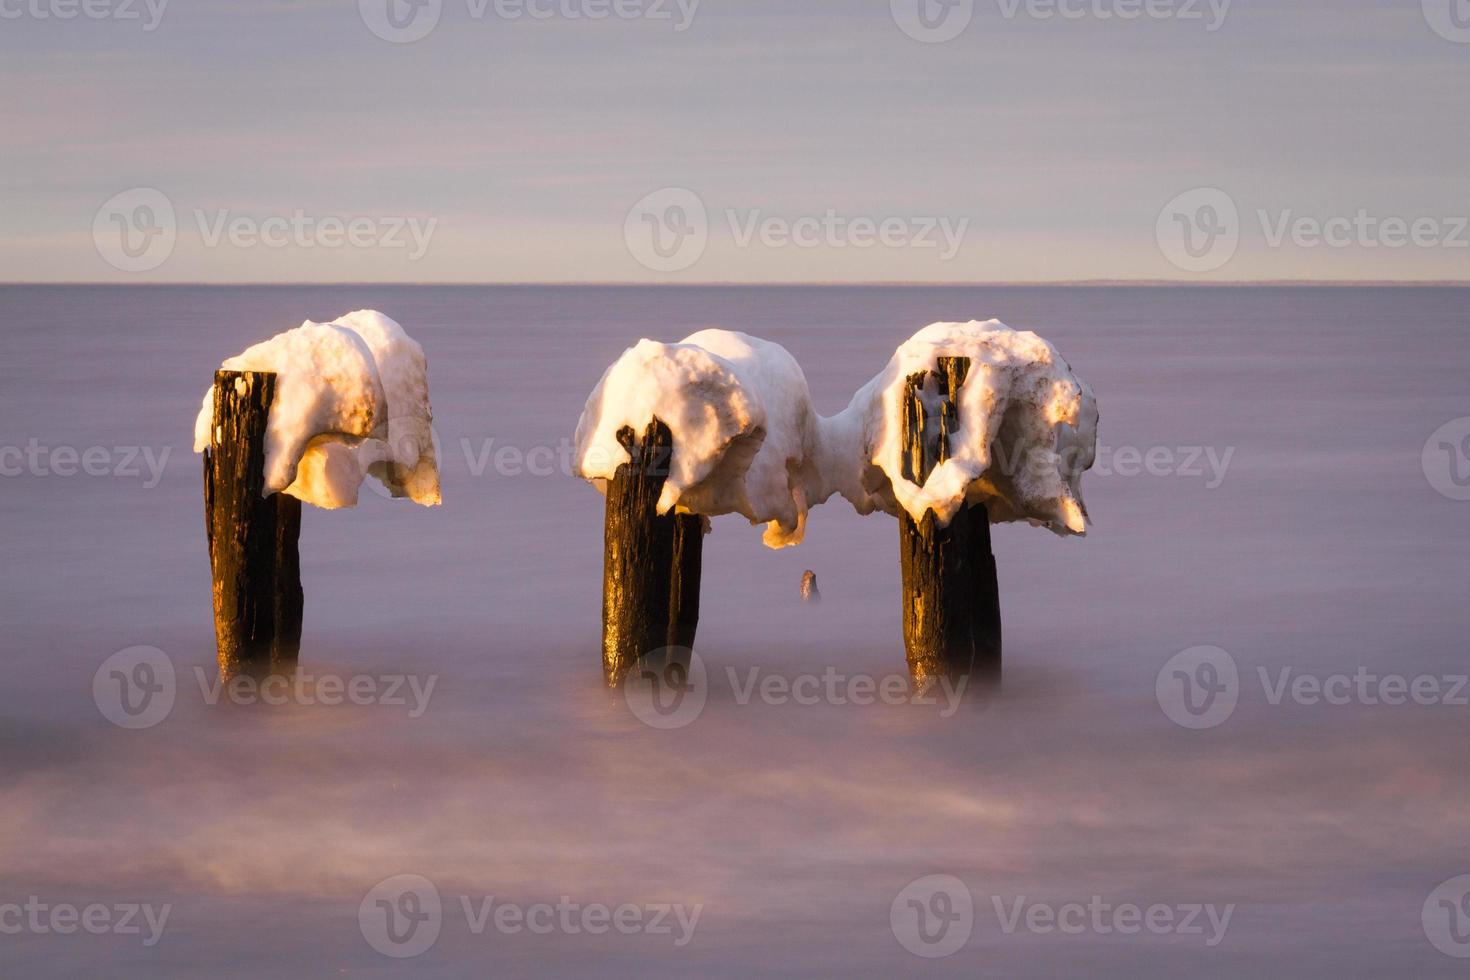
1028 431
747 440
352 400
745 434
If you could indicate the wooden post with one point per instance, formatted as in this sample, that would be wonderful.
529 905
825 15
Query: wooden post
253 554
651 564
951 597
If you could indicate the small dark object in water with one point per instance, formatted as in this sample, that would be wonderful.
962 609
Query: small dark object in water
809 591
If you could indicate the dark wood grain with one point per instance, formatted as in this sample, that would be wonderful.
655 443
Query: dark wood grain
951 596
651 564
254 557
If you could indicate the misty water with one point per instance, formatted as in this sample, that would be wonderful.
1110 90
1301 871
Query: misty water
1262 489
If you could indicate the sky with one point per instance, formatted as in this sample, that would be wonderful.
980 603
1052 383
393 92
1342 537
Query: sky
733 140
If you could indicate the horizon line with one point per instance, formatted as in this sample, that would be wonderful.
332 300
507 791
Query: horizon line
634 284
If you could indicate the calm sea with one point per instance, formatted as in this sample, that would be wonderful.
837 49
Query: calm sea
1265 490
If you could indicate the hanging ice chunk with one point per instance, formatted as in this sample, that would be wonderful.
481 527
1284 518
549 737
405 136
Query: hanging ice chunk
403 459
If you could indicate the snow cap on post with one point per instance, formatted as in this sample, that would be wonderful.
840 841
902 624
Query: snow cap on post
352 400
744 432
1027 433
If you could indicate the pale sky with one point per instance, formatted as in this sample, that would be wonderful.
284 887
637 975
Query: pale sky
516 149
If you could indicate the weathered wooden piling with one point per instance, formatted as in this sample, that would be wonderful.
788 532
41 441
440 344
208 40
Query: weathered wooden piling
951 597
651 563
253 554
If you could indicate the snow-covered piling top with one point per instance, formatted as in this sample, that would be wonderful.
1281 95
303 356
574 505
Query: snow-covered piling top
352 401
744 432
748 441
1027 431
